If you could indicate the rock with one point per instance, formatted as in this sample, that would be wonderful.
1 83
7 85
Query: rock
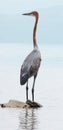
14 104
19 104
33 104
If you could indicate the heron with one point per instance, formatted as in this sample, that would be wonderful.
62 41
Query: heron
32 62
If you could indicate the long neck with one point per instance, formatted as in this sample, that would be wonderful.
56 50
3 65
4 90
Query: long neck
34 33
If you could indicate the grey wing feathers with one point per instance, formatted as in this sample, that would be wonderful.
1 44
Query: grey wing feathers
30 66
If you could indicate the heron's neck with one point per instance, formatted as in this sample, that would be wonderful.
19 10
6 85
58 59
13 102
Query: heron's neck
34 33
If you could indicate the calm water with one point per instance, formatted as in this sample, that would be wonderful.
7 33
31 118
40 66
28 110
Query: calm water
32 119
48 88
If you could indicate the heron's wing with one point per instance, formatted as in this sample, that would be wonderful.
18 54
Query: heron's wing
35 66
31 64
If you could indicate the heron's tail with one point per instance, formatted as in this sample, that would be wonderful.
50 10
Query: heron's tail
23 79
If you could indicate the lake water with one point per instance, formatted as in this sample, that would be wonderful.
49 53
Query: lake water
48 88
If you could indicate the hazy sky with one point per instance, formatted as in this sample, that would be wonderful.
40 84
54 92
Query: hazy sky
14 6
12 27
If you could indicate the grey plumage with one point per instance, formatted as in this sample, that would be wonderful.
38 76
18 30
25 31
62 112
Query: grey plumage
30 66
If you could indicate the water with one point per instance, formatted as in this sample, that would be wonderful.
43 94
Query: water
48 88
32 119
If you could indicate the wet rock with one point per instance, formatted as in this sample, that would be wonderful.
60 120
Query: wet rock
19 104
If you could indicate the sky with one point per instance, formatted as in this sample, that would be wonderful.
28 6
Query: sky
13 24
14 6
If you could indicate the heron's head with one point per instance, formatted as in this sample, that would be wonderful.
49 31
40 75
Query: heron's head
34 13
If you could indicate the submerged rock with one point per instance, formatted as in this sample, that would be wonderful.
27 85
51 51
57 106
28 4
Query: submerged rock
19 104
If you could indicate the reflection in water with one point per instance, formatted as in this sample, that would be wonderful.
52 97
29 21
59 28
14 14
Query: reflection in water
28 119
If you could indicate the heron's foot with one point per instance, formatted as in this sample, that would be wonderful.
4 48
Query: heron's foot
28 101
33 104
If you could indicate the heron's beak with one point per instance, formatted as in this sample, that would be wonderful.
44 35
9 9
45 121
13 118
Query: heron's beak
27 14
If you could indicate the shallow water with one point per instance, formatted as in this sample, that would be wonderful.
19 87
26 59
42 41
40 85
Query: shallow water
48 88
31 119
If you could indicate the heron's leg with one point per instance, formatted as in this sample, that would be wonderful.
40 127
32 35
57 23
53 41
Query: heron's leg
27 91
33 89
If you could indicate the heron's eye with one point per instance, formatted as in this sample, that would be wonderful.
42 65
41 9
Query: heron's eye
40 59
